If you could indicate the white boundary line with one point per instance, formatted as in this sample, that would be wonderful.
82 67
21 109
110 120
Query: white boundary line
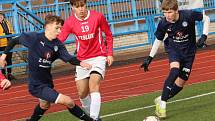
150 106
141 108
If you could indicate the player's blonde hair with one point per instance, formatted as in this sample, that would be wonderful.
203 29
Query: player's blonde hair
169 5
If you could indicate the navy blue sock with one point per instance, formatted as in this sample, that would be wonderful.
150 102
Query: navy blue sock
38 113
79 113
175 90
168 84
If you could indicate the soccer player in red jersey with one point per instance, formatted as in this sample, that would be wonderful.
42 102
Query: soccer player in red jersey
4 83
88 26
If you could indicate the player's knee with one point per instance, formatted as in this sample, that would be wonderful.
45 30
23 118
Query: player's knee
174 71
184 74
68 101
174 65
95 77
180 82
173 74
45 106
95 73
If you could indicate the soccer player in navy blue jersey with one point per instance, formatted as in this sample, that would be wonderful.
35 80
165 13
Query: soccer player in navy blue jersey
180 44
43 50
195 5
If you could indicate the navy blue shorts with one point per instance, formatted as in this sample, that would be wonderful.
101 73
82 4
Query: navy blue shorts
44 91
186 63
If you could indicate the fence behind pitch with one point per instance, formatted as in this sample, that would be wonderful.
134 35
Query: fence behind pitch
133 22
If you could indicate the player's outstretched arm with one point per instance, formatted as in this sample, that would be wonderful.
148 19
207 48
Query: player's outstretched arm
9 47
153 51
75 61
202 40
66 57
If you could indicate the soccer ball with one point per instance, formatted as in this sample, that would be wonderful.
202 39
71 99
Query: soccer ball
151 118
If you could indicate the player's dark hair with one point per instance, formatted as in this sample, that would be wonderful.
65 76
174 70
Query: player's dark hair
169 5
53 18
78 3
1 13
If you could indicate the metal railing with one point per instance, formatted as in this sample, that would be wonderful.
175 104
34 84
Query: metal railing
124 16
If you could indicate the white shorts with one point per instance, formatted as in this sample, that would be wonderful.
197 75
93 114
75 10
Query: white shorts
98 64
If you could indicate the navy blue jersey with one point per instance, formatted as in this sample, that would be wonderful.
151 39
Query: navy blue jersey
41 54
181 34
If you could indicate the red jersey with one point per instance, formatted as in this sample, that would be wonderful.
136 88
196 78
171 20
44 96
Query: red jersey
88 33
2 77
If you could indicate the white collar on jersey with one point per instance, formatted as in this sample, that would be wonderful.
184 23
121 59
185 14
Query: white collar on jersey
88 14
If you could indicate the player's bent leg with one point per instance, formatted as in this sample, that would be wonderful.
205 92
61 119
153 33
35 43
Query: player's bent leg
170 80
177 87
46 95
44 104
72 107
83 92
180 81
168 84
94 84
65 100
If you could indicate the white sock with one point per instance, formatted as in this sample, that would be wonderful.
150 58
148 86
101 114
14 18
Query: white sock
86 103
95 105
163 104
